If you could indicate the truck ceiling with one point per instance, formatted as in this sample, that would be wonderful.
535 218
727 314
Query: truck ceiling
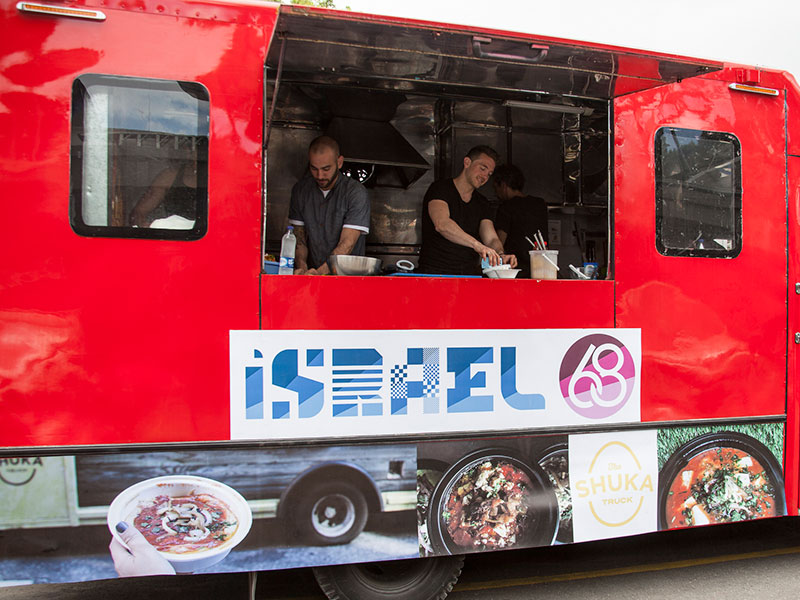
340 48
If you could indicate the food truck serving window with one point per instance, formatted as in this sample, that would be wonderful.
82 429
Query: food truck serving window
698 193
139 158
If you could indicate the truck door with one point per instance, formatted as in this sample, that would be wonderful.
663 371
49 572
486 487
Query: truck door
700 242
793 409
113 330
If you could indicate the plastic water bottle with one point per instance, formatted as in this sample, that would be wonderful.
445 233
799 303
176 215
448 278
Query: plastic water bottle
288 244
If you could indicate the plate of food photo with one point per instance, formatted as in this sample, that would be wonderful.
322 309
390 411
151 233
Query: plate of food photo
720 477
492 500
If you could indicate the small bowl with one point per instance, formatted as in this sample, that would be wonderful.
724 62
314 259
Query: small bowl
501 272
125 507
348 264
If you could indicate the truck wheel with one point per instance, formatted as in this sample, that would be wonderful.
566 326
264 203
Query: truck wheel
414 579
330 513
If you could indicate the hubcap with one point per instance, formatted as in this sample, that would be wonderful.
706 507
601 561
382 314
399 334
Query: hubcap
333 515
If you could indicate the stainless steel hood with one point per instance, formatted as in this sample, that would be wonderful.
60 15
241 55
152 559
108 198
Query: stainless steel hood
370 144
376 153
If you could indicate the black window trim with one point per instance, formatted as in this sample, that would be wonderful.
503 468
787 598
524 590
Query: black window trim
737 200
77 223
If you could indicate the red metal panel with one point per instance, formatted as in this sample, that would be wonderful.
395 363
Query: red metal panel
778 80
713 330
111 340
307 302
792 455
793 112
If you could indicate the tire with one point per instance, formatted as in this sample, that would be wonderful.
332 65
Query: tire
413 579
329 513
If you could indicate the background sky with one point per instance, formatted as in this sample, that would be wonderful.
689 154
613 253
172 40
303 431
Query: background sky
755 32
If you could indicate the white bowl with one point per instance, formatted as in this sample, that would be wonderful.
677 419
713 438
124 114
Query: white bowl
126 506
501 272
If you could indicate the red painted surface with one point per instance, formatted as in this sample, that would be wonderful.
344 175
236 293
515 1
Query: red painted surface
713 330
793 110
792 453
306 302
111 340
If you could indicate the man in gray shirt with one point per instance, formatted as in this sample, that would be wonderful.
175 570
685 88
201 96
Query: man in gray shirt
329 211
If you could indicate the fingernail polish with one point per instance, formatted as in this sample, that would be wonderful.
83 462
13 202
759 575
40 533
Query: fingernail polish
121 526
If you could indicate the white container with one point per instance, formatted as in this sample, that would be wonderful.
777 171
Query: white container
288 244
497 273
544 264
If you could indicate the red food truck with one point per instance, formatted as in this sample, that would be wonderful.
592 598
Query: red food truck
159 380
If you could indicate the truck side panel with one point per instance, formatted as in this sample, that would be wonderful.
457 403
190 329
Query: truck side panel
713 329
117 340
792 428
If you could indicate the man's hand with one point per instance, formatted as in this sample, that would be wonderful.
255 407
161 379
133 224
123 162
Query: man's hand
487 253
492 242
509 259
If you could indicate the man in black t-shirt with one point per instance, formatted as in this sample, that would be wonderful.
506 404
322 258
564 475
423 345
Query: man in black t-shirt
457 228
518 216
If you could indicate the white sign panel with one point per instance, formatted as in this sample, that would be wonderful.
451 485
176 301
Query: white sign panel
614 481
316 384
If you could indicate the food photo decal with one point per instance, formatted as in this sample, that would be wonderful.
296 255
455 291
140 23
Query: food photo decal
184 524
487 506
720 485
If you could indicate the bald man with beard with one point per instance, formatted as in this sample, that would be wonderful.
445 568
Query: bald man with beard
330 212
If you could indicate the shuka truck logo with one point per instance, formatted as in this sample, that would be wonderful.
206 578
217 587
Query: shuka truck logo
19 471
392 382
614 478
597 376
617 485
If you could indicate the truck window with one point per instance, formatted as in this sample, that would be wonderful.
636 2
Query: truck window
698 193
139 158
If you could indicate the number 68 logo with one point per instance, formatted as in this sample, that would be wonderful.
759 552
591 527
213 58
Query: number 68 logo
597 376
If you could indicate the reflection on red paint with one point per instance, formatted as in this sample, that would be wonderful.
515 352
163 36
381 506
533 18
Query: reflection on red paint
37 351
59 63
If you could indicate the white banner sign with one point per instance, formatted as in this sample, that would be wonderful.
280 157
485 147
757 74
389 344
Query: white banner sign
316 384
614 483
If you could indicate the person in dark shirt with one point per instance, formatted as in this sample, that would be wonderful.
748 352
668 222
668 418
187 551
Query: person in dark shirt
457 227
329 211
518 216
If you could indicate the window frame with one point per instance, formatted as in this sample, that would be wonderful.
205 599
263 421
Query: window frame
737 198
77 153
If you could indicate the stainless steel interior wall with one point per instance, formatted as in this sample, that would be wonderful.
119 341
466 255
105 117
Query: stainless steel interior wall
563 157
